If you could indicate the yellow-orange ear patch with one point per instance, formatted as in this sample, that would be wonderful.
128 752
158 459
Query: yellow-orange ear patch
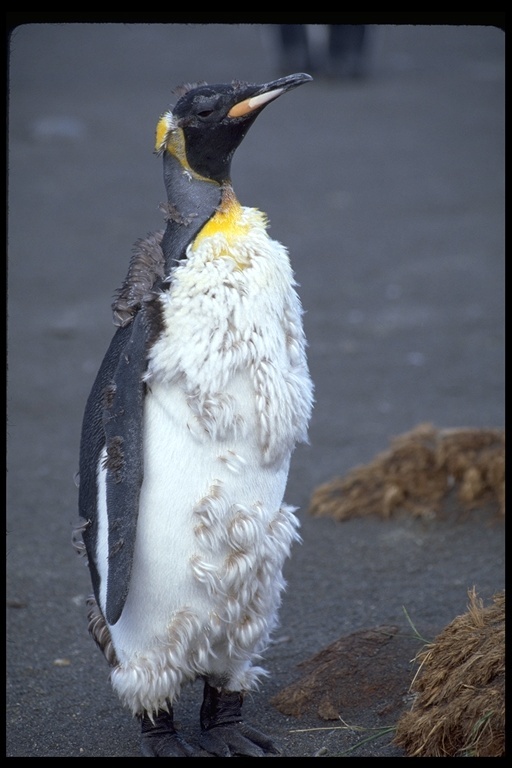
164 127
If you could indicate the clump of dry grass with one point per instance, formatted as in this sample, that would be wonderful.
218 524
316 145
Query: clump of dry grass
459 710
417 471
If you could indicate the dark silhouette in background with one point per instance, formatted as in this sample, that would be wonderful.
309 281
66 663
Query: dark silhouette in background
344 55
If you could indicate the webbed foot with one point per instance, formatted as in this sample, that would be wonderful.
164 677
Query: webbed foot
159 737
223 732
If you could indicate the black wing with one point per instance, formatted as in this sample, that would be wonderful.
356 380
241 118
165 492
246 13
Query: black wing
113 419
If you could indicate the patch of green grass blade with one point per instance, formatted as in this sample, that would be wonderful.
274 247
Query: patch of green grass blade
411 624
471 749
379 733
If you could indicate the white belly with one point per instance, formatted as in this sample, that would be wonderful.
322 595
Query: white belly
212 536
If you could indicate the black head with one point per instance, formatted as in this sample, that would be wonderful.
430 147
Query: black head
208 123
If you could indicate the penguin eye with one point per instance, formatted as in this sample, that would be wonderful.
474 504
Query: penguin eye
207 108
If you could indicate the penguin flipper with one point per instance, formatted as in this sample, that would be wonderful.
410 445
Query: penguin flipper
113 422
123 428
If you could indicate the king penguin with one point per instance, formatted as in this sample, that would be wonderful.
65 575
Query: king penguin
187 437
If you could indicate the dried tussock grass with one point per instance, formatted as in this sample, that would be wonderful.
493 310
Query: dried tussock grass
459 710
417 471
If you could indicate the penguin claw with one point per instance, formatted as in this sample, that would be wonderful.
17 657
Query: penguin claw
159 738
166 745
236 740
223 731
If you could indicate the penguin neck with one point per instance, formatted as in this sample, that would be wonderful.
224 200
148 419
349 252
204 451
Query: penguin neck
191 202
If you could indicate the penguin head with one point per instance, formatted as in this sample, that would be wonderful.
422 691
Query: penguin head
208 123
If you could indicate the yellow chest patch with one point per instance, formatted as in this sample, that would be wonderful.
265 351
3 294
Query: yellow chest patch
233 224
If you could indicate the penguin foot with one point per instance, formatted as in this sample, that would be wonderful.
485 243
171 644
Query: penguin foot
159 737
236 740
223 732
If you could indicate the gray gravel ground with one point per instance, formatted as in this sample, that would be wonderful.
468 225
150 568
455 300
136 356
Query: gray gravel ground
389 193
